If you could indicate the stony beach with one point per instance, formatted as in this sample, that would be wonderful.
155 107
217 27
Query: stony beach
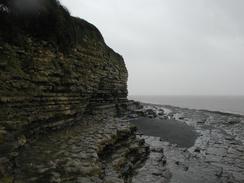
218 152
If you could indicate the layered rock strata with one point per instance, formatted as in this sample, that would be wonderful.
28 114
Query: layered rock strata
105 151
43 88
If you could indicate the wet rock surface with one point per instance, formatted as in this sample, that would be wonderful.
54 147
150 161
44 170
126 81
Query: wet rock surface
218 152
155 168
97 152
104 148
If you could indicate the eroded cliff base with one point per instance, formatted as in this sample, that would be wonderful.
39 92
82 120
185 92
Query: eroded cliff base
101 149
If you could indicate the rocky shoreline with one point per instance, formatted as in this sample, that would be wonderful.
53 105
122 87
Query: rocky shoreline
217 155
107 148
65 116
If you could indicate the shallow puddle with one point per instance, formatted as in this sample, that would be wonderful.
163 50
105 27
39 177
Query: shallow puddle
173 131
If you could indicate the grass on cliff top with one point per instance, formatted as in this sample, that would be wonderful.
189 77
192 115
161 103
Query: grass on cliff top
50 22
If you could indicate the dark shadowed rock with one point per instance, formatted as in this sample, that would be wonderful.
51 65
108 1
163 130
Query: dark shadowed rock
55 70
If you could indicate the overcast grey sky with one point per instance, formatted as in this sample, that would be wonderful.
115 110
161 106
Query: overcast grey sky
173 47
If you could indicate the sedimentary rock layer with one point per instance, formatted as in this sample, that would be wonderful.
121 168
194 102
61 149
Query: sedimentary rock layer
87 153
43 88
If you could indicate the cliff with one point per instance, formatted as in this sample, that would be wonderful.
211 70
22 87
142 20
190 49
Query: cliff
47 82
41 86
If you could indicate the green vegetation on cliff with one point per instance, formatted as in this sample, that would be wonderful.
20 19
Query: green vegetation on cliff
43 20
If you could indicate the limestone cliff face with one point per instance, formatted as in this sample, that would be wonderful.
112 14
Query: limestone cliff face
41 87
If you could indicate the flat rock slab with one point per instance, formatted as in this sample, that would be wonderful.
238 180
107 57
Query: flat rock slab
154 170
75 155
218 151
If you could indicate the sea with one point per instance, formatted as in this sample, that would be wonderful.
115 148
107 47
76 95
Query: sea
228 104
